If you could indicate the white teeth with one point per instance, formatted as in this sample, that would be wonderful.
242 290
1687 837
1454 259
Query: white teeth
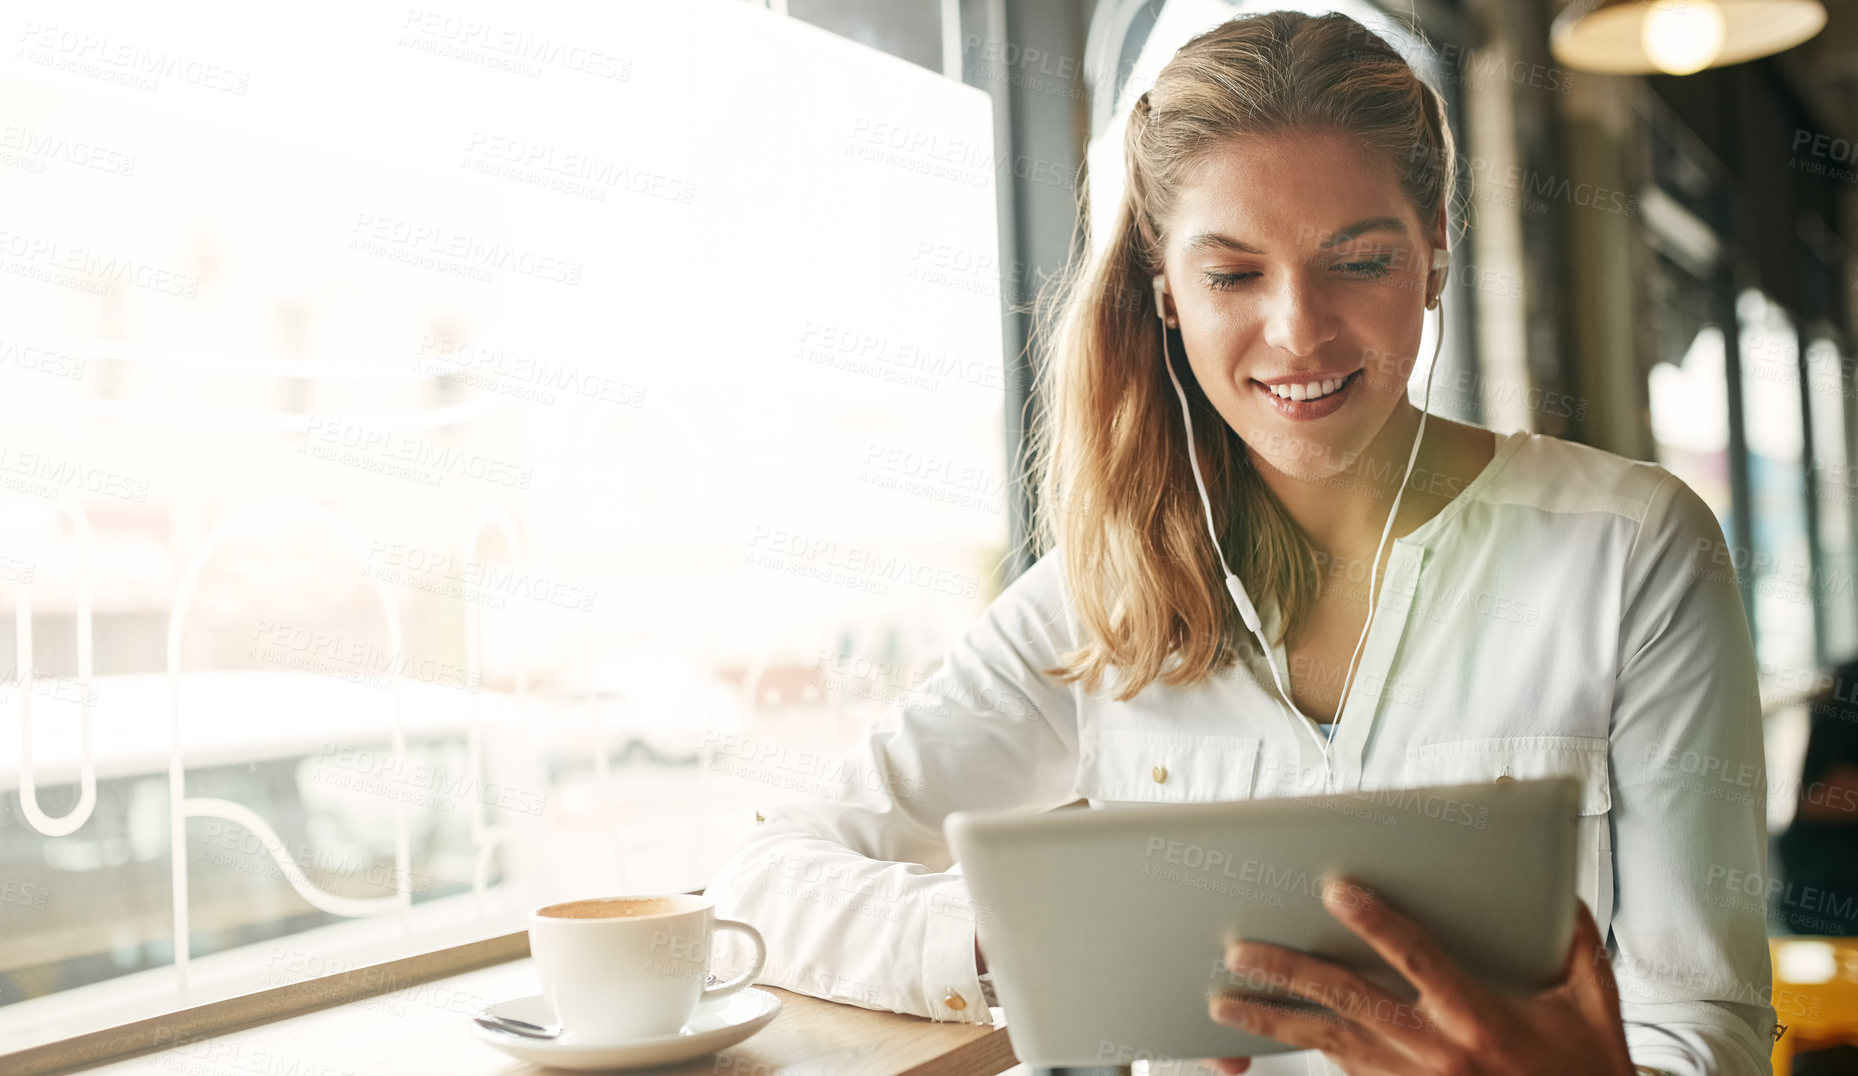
1313 390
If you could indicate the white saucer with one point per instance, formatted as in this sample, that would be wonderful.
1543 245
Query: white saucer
714 1026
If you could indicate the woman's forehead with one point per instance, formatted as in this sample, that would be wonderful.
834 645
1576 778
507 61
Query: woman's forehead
1295 183
1261 225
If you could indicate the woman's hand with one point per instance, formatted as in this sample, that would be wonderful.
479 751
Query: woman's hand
1455 1026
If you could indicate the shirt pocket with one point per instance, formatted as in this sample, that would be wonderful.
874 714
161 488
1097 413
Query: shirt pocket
1128 766
1522 758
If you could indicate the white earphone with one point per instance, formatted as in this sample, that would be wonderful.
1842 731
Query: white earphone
1441 260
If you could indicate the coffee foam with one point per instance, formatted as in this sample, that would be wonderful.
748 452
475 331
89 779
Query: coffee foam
614 908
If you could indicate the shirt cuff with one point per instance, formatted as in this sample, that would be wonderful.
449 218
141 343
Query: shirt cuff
951 980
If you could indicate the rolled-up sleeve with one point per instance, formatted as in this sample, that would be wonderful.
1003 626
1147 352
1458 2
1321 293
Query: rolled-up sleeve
1688 823
854 896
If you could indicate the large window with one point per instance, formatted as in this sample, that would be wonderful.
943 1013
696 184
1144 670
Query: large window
1689 394
1828 392
1765 440
1785 584
457 458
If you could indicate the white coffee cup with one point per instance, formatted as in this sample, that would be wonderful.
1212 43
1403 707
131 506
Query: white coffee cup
616 969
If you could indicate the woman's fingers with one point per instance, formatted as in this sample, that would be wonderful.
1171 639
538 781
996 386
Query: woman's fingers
1262 968
1233 1064
1443 987
1311 1029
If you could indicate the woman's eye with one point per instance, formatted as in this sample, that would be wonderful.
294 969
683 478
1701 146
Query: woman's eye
1222 281
1373 267
1367 269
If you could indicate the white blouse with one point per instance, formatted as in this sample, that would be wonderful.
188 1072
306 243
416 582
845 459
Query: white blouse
1569 612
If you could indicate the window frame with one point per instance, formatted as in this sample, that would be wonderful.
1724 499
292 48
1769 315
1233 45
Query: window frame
212 1018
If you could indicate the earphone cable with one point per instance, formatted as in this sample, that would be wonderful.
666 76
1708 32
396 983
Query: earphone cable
1232 581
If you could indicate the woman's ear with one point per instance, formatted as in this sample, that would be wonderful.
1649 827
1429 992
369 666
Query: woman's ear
1161 301
1438 242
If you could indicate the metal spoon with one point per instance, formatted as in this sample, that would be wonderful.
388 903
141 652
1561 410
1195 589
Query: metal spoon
518 1027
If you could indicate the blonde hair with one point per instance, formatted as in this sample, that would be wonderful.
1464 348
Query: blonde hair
1108 453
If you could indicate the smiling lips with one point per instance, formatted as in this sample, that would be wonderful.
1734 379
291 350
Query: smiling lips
1308 390
1303 397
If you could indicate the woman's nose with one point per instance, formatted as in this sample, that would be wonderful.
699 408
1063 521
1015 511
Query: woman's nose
1297 318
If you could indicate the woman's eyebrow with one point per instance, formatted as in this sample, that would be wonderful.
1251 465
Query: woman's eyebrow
1343 235
1372 224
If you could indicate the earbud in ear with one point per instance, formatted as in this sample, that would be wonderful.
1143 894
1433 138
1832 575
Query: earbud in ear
1161 306
1441 261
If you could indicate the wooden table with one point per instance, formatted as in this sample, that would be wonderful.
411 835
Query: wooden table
1815 994
424 1028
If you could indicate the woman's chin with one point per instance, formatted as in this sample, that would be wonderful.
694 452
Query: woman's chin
1312 472
1310 461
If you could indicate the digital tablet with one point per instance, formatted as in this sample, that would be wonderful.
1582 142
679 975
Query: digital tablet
1106 929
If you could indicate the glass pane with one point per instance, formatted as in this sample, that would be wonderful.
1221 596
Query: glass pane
909 29
1688 388
1837 486
1786 588
1690 420
458 460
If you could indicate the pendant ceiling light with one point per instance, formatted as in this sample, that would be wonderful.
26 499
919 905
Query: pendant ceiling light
1677 37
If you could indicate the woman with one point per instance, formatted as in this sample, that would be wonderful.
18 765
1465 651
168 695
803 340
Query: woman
1541 607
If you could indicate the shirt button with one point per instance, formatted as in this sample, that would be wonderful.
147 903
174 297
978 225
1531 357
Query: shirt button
1161 774
1504 778
955 1001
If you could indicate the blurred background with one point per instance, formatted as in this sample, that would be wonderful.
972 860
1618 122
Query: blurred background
452 457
